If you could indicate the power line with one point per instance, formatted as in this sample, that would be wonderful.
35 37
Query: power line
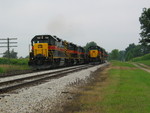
9 46
7 42
8 38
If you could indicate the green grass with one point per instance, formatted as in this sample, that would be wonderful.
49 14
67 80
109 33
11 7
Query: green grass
118 63
8 65
144 59
10 68
14 61
126 90
1 70
146 62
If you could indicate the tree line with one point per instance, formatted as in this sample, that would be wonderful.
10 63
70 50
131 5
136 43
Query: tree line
11 54
130 52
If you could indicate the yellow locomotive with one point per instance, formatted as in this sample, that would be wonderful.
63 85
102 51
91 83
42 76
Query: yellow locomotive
50 51
97 54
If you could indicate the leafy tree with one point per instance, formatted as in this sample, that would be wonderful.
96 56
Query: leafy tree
122 55
27 56
145 49
138 51
12 54
21 57
5 54
129 51
129 56
145 26
114 55
90 44
130 47
133 51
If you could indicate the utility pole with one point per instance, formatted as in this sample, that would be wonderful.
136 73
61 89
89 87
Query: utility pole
7 44
8 47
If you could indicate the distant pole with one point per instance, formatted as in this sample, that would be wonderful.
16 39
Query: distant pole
8 47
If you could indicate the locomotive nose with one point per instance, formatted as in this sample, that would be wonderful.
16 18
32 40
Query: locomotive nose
40 59
41 48
93 53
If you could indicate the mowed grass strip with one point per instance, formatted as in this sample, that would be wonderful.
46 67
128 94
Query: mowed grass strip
126 90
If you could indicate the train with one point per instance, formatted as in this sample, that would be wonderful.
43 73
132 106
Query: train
50 51
97 54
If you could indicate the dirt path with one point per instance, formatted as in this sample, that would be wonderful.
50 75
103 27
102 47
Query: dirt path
142 66
146 66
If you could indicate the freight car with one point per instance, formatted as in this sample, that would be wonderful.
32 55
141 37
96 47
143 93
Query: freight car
50 51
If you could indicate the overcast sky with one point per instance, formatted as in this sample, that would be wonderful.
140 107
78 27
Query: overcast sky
112 24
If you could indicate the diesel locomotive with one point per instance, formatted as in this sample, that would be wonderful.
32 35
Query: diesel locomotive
50 51
97 54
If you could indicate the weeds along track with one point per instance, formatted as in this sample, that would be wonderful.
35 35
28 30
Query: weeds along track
17 72
36 78
29 71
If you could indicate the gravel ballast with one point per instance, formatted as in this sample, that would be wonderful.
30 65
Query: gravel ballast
42 98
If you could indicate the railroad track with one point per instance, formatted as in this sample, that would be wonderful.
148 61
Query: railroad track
38 78
20 72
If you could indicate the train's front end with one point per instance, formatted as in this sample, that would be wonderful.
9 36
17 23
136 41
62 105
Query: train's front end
94 54
39 55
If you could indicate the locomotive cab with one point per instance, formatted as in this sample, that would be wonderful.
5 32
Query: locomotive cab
39 55
94 53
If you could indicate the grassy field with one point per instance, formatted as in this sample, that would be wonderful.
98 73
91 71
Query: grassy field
144 59
14 61
8 65
9 68
126 90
